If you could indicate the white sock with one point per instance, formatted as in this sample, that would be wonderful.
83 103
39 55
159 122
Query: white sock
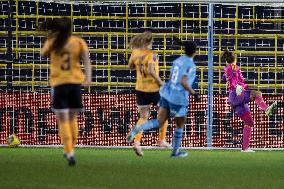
69 155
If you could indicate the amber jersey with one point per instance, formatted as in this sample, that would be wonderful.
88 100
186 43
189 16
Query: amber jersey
65 65
141 58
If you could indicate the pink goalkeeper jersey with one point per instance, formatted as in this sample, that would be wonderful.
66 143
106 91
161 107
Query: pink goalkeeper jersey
233 76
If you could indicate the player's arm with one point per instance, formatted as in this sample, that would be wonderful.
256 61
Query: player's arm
88 69
184 83
225 73
241 77
152 72
187 80
44 52
152 61
231 77
131 64
186 86
224 77
87 63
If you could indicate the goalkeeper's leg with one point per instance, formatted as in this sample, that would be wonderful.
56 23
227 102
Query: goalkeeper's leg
249 123
257 97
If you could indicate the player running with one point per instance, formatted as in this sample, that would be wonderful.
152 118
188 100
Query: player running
66 78
174 98
148 83
240 96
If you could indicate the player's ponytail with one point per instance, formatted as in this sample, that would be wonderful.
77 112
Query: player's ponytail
228 56
190 47
134 42
141 40
60 28
147 38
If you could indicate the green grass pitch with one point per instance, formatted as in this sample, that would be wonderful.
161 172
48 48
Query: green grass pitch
45 168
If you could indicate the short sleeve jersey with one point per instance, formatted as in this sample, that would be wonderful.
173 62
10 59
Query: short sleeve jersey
173 91
65 65
141 58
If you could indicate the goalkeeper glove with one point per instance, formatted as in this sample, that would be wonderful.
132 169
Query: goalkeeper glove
239 90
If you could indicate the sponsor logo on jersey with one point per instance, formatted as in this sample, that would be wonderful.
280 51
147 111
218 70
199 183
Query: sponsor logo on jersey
155 58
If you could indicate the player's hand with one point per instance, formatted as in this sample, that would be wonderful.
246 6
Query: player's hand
239 90
87 83
197 97
162 83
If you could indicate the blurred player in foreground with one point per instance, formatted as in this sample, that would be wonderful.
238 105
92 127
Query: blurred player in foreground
66 78
240 96
148 83
174 98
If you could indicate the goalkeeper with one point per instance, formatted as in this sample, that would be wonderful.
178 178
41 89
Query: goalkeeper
240 96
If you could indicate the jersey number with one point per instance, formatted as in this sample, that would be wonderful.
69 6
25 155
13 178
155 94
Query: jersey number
141 66
66 63
174 78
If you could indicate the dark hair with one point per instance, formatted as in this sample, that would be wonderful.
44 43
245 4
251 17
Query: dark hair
228 56
60 28
190 47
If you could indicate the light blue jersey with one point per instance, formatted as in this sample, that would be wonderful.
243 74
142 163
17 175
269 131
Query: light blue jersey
173 91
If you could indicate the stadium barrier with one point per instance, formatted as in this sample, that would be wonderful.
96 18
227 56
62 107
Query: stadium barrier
107 119
252 31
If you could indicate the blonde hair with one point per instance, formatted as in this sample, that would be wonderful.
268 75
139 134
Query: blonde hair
141 40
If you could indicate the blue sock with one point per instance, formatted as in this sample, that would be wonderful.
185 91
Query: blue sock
177 139
150 124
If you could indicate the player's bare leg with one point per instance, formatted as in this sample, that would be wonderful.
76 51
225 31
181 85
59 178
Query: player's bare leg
150 124
162 136
144 112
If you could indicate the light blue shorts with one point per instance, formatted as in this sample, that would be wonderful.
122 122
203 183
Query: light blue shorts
175 110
